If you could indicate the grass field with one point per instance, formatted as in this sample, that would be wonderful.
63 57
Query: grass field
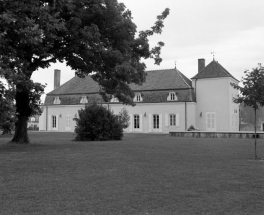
142 174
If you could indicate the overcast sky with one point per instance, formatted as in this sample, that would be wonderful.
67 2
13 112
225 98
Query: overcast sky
233 29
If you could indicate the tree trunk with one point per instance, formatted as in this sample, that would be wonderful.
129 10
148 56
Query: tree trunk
21 135
255 133
24 111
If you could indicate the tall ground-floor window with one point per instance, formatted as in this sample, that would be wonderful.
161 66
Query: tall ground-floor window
172 119
210 121
54 122
68 123
136 121
156 121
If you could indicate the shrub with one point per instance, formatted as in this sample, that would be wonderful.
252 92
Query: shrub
124 118
95 122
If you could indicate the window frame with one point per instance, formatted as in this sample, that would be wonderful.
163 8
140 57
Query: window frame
84 100
172 119
136 121
155 121
172 97
56 100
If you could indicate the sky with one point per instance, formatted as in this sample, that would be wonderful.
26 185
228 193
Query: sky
232 29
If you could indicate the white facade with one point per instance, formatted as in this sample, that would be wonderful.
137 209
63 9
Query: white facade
215 110
167 102
145 118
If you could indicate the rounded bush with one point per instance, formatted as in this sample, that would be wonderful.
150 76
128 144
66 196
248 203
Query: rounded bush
95 122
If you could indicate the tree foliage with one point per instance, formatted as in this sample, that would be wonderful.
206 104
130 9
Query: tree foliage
251 94
95 122
7 110
124 118
93 37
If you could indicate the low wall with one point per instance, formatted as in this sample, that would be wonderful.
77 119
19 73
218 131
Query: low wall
204 134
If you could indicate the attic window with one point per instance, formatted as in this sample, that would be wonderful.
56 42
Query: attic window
172 97
56 101
114 99
84 100
138 98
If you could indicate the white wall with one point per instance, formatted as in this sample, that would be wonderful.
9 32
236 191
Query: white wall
213 95
144 110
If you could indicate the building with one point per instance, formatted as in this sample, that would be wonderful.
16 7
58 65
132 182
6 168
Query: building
167 101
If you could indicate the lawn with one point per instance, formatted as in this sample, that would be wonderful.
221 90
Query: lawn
142 174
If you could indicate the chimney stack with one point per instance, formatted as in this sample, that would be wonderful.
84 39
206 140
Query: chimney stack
201 64
57 74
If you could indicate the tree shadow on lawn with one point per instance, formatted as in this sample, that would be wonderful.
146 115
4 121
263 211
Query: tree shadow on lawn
141 173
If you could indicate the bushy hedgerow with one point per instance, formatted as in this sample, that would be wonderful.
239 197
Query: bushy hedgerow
95 122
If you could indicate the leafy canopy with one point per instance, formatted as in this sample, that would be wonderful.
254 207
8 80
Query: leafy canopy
7 109
251 94
95 37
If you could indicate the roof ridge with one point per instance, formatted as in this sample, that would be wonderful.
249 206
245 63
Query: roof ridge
228 73
181 75
61 85
158 70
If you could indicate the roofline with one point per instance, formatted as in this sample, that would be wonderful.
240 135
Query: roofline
180 74
118 103
217 78
186 88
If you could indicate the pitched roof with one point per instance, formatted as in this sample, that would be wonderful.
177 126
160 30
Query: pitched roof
185 95
213 70
155 80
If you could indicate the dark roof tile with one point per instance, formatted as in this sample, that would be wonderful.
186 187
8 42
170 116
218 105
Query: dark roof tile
213 70
185 95
155 80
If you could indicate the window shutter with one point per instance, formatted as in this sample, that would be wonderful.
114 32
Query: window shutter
131 122
141 122
57 122
49 122
150 124
160 122
166 120
177 120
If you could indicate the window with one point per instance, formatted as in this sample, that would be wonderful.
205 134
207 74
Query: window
172 120
32 119
210 121
114 99
54 122
68 121
156 121
138 98
136 121
56 101
172 97
84 100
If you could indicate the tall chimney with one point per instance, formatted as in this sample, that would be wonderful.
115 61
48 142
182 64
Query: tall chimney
201 64
57 74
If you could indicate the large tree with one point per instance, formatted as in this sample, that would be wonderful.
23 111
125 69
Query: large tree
251 93
95 37
7 109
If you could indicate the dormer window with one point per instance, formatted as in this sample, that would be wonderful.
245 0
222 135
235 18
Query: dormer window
138 98
84 100
114 99
172 97
56 101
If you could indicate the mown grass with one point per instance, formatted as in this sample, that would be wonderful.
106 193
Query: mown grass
142 174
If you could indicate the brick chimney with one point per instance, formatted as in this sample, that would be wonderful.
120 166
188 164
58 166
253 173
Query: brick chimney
201 64
57 74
